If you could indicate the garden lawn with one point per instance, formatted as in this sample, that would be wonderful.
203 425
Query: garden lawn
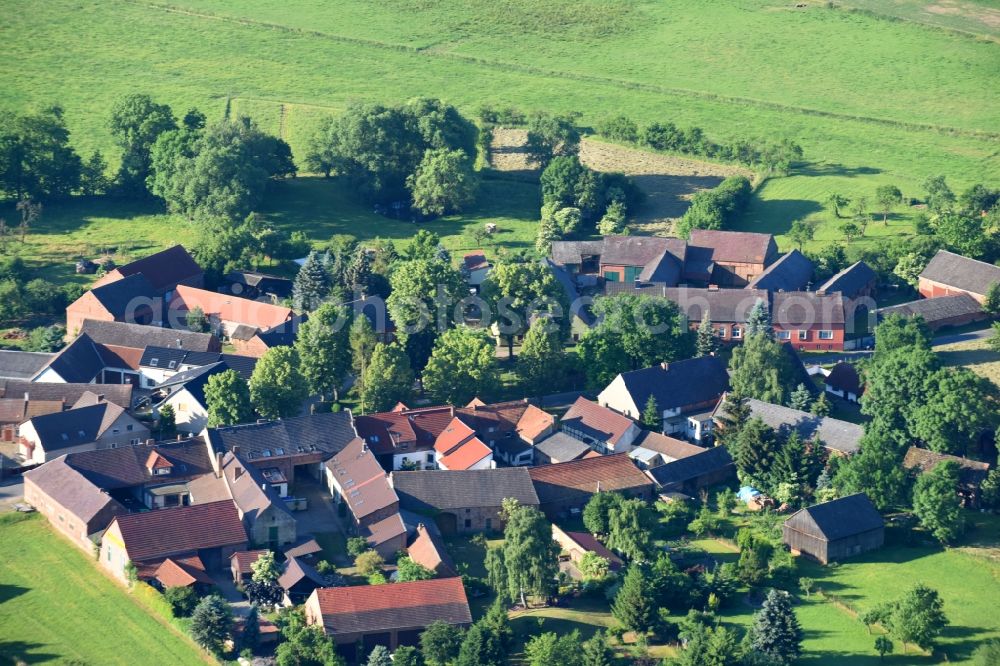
974 355
55 605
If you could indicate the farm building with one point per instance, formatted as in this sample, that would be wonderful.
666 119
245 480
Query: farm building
940 311
834 530
950 274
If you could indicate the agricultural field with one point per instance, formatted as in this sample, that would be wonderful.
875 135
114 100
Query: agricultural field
886 99
57 607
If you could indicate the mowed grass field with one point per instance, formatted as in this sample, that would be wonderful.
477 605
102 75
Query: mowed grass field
871 99
974 355
56 607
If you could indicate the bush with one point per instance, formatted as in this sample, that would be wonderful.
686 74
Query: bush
619 128
182 600
356 545
716 208
368 563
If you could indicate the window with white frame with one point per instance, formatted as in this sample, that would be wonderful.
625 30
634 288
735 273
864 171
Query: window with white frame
826 335
803 334
737 332
784 335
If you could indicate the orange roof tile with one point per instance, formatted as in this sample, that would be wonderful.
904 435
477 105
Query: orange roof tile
230 308
453 436
466 455
533 423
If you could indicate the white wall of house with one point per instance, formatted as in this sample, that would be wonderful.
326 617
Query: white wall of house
421 459
50 376
617 397
191 415
847 395
485 463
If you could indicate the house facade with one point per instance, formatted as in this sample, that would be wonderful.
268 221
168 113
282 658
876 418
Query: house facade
950 274
99 426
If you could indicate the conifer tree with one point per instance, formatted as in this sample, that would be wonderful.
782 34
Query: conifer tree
633 606
651 418
706 343
312 283
759 320
800 398
776 631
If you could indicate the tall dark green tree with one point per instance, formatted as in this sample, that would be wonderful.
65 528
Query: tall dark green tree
652 418
936 503
36 158
388 378
440 643
277 388
759 320
541 362
227 398
707 343
634 605
761 369
917 617
324 349
312 283
776 631
211 623
462 366
530 554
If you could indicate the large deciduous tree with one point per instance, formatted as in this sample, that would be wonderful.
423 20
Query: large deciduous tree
423 293
541 361
761 369
227 398
388 378
277 388
462 366
521 291
531 555
323 348
36 158
936 503
444 182
136 122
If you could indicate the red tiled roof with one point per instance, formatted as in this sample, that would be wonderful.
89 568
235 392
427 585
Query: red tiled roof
417 427
475 260
362 480
601 423
533 423
466 455
453 436
588 541
156 461
605 473
244 558
185 529
429 551
733 246
668 446
230 308
371 609
182 572
383 530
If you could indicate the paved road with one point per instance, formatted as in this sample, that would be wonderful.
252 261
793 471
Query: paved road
962 337
11 491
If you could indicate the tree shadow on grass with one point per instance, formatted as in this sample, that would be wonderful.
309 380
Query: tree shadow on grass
21 652
828 169
775 216
8 592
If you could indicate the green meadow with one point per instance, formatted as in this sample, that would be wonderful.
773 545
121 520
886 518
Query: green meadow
873 98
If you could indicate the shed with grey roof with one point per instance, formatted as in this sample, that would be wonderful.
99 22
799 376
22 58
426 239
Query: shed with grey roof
835 530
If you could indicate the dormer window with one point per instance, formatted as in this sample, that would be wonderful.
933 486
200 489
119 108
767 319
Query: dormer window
172 364
161 471
373 439
266 453
153 362
279 452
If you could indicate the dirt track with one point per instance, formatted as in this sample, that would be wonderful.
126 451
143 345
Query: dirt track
668 181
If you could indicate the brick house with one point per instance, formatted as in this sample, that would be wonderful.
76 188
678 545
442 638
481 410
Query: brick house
603 429
363 616
940 311
809 320
130 299
858 285
792 272
210 532
226 312
950 274
357 481
685 393
463 502
164 270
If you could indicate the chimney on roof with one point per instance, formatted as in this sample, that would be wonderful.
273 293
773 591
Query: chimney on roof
179 437
218 464
236 450
263 486
179 343
237 473
364 446
665 365
713 287
100 397
821 292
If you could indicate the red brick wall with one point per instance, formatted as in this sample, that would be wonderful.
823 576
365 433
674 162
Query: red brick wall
812 341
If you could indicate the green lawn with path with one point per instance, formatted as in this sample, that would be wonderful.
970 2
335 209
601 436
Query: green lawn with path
57 607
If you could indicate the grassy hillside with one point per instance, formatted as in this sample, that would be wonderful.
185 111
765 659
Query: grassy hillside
55 606
871 99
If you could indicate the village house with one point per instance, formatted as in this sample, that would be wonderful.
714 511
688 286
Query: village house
249 341
203 534
475 268
363 616
653 449
971 473
298 580
164 271
74 506
15 411
581 318
857 285
267 520
130 299
950 274
254 285
577 544
457 447
690 474
792 272
241 564
463 502
356 480
66 393
563 489
182 572
226 312
158 365
128 338
729 258
84 361
809 320
835 530
940 312
22 365
685 393
185 394
101 425
288 448
562 447
602 429
429 551
844 382
838 437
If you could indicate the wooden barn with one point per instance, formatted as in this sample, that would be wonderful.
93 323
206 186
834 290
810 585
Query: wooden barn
834 530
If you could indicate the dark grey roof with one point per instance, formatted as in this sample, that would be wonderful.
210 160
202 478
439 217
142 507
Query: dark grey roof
724 305
687 382
74 427
842 436
118 295
79 362
284 334
569 288
164 356
193 381
562 446
449 490
326 432
297 571
125 467
806 308
571 252
961 272
270 284
138 336
837 519
691 467
69 393
936 309
790 273
844 377
850 281
21 364
665 268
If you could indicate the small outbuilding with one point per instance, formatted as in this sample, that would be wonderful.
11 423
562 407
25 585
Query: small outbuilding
834 530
